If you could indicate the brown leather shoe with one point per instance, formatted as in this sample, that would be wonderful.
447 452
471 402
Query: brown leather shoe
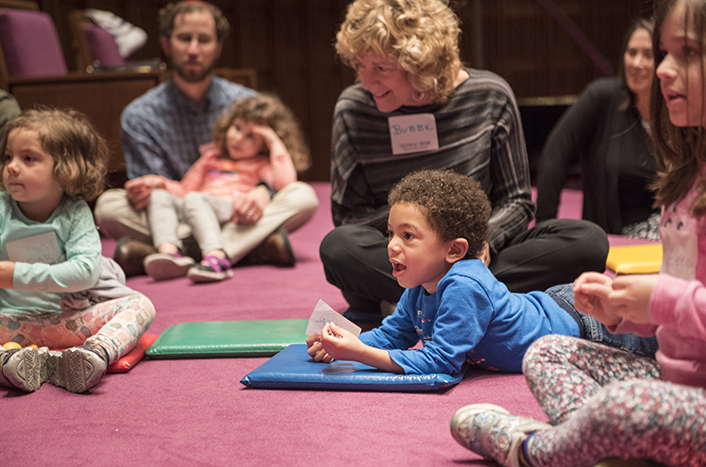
275 250
130 255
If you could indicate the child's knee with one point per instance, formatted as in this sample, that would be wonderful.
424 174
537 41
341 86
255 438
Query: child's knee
546 349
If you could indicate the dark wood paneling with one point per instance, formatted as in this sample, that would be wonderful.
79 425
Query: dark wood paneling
290 44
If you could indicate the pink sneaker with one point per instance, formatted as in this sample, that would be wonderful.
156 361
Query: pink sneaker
215 270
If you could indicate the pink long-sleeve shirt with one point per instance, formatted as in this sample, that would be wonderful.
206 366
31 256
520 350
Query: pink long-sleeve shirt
224 177
678 302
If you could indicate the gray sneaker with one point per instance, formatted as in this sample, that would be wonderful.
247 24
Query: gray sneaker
490 430
77 369
162 267
23 368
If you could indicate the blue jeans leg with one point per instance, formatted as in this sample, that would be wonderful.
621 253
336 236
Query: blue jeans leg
595 331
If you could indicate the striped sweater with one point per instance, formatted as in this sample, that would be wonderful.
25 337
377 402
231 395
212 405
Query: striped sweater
480 135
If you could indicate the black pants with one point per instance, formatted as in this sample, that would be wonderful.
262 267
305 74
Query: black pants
554 252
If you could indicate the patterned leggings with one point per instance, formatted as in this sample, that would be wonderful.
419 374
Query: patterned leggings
609 403
116 325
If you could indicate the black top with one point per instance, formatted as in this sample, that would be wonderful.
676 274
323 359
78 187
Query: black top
617 163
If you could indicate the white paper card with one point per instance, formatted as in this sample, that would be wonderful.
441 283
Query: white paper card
42 248
324 314
413 133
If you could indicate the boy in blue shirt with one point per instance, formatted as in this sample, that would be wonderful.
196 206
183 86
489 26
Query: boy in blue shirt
437 229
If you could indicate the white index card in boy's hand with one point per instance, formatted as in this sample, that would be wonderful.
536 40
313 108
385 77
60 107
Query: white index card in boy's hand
324 314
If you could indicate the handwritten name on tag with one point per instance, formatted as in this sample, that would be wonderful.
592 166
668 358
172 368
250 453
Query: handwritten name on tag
413 133
42 248
324 314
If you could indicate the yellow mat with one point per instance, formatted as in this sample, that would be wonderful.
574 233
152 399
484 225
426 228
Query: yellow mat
635 259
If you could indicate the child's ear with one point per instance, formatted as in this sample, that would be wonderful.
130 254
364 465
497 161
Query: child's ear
458 248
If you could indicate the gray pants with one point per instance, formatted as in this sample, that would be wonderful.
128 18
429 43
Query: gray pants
291 208
203 213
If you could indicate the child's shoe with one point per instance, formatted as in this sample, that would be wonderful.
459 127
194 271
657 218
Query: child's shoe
215 270
23 368
490 430
163 266
77 369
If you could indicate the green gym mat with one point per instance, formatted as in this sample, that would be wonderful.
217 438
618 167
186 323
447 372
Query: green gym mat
228 339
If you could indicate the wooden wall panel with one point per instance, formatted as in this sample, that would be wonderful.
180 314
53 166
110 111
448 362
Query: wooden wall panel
290 43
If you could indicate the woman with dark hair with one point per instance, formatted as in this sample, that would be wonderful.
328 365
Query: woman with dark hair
607 130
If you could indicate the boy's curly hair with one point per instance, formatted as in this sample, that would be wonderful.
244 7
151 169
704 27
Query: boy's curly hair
79 152
267 109
168 14
421 34
455 205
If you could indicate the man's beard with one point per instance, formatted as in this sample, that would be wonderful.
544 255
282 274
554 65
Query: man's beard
193 76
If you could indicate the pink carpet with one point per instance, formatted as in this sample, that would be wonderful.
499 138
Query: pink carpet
196 413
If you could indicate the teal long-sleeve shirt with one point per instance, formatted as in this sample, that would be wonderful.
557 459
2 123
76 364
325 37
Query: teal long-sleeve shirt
37 286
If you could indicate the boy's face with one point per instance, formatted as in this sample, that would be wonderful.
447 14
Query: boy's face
417 254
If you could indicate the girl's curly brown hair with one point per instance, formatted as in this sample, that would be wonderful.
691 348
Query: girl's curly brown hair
455 205
421 34
267 109
79 152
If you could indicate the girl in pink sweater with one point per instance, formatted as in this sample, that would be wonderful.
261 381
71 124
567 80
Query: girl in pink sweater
603 402
256 152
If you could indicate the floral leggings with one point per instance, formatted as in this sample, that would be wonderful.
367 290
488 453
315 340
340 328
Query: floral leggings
116 325
609 403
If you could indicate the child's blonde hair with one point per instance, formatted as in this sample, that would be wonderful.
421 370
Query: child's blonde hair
267 110
79 152
682 150
421 34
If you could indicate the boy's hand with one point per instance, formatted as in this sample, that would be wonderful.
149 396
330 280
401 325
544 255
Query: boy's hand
316 350
341 344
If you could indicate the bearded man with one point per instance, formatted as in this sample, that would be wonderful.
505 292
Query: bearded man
163 131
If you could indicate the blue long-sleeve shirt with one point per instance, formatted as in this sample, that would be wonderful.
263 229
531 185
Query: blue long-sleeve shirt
471 317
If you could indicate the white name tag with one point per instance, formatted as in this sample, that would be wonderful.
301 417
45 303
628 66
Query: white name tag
413 133
42 248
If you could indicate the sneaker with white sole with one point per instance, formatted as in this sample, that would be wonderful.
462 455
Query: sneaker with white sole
23 368
490 431
77 369
163 266
216 269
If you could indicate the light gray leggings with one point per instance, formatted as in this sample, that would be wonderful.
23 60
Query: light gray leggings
205 214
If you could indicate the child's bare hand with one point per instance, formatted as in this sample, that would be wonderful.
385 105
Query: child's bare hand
631 296
316 350
591 296
340 343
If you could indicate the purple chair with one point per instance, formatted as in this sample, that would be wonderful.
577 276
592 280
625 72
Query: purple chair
102 45
33 69
30 45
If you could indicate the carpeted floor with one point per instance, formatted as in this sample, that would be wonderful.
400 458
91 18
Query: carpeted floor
196 413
